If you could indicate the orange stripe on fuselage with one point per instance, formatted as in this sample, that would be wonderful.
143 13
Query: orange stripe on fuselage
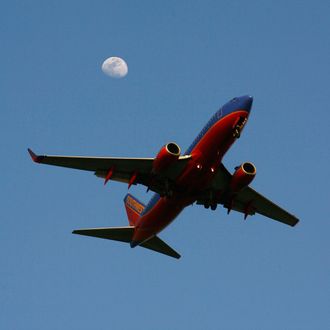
208 153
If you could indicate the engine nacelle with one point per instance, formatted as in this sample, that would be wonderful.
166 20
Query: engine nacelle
167 155
242 177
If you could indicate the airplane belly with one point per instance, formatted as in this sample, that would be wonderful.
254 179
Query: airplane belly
208 153
220 137
199 172
159 217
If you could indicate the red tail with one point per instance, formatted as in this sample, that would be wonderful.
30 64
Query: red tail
134 208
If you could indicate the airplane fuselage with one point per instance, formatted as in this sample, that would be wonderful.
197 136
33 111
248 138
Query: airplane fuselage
206 152
198 176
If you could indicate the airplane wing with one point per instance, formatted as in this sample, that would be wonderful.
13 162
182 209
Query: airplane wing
247 201
128 170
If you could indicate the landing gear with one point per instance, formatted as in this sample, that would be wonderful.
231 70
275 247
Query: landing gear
211 201
213 206
168 192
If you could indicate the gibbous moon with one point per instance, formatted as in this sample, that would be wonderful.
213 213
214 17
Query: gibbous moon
115 67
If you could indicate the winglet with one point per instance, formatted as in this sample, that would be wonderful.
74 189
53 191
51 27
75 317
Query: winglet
35 158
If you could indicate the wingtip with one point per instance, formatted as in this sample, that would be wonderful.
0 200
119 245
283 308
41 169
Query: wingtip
296 222
79 232
34 157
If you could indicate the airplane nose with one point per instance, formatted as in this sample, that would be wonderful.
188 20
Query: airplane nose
247 103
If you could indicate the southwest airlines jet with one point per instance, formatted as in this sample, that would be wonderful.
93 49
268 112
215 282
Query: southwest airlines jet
198 176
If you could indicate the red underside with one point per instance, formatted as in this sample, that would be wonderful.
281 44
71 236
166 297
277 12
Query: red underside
200 170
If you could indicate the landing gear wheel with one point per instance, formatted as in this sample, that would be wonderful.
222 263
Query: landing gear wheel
167 191
214 206
207 206
169 194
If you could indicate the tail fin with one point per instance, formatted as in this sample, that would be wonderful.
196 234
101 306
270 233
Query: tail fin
134 208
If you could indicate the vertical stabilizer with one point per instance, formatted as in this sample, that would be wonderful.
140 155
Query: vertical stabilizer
134 208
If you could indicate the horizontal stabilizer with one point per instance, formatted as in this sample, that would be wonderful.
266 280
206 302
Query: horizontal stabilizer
156 244
122 234
125 234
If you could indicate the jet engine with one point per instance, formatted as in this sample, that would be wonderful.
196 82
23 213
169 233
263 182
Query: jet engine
167 155
242 177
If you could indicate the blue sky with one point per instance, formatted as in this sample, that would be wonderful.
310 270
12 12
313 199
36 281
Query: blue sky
185 59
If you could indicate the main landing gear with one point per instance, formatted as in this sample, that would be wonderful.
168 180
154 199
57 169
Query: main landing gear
168 192
211 203
213 206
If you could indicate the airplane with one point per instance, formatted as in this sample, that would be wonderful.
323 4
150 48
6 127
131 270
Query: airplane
198 176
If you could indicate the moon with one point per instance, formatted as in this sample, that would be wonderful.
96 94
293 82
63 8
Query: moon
115 67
